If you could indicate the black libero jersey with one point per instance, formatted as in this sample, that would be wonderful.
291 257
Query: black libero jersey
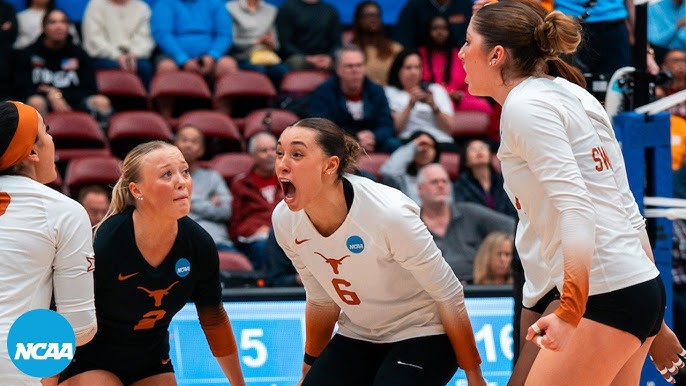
134 301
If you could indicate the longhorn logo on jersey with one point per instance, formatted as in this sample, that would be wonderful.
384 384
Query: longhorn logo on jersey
333 262
158 294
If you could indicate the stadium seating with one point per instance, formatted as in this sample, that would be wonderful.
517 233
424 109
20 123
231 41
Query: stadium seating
271 120
130 128
230 165
76 134
125 89
90 171
221 133
244 91
189 90
371 162
451 163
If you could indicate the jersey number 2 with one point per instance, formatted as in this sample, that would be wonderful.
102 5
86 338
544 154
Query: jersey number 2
149 319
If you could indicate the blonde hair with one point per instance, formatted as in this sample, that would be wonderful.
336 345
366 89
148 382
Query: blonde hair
486 253
130 172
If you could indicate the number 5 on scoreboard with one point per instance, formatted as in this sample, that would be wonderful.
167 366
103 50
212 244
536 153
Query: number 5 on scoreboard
250 341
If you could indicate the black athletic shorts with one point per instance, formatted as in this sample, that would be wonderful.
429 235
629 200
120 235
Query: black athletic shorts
638 309
545 301
127 376
426 361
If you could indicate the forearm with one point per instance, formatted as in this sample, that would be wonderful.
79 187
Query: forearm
444 121
231 367
320 319
577 235
400 119
455 320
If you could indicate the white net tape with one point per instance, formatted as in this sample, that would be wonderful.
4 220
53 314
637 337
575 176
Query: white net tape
674 208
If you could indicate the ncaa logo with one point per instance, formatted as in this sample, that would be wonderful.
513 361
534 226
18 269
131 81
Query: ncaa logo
41 343
355 244
183 267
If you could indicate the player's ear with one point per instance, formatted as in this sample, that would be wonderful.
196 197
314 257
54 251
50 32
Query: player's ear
332 165
135 191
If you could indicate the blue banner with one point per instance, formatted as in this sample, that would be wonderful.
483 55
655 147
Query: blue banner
271 335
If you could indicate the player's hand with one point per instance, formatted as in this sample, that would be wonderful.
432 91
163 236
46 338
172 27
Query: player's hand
306 369
550 332
667 354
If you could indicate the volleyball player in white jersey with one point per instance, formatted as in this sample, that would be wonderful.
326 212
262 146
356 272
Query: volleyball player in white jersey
559 171
367 262
45 237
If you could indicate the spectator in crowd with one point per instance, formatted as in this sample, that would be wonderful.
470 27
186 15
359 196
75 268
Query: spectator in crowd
457 228
675 63
478 181
30 23
96 200
666 25
54 74
309 32
279 270
8 34
416 105
369 35
493 261
607 33
116 34
400 170
440 64
192 36
45 237
355 103
410 29
211 199
254 38
255 195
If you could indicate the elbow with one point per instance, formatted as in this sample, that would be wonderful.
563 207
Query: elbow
86 334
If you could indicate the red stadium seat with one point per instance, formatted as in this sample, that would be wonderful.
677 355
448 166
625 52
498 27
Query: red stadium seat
271 120
221 133
230 165
372 162
470 124
189 90
76 134
451 163
302 82
91 171
131 128
244 91
234 261
125 89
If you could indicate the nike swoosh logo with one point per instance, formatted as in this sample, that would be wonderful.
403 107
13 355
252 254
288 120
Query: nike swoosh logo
124 277
298 242
165 361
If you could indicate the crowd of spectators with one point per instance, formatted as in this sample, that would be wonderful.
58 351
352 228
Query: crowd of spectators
398 88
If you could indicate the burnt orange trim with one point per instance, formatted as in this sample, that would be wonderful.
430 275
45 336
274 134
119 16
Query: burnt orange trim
24 136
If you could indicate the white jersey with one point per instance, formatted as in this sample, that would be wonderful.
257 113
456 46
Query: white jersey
45 241
381 266
559 155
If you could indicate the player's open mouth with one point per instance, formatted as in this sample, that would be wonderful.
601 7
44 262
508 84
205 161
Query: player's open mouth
288 189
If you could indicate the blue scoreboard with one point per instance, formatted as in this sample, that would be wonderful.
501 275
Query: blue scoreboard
271 334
